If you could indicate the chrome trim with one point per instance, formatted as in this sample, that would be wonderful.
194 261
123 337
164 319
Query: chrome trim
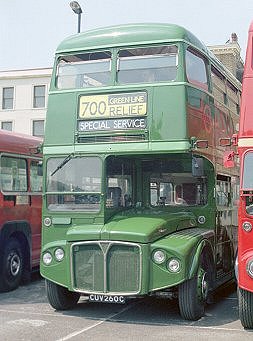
248 265
105 251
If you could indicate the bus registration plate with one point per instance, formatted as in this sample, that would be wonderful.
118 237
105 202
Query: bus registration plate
107 298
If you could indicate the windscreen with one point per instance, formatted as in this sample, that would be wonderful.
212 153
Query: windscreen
247 181
247 177
74 183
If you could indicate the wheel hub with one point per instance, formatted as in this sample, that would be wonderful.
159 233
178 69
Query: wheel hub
202 285
15 264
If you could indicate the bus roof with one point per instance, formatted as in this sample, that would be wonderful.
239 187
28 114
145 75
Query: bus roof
136 34
18 143
251 27
130 34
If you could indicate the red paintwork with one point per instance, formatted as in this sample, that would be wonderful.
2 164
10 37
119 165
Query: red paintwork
246 116
205 125
245 240
19 144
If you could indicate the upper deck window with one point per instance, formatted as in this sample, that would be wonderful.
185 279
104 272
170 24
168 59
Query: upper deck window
148 65
196 69
84 70
219 85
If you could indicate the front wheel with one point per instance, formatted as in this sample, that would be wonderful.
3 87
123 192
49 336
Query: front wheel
245 299
192 296
59 297
11 265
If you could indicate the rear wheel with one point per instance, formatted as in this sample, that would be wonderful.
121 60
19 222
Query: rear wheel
192 295
245 299
12 265
59 297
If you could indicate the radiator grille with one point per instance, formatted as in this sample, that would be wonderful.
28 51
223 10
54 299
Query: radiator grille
106 267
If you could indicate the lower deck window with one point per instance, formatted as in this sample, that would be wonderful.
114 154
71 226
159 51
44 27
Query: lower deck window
13 174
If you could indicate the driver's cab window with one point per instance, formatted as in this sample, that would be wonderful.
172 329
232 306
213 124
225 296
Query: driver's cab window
249 204
161 193
177 189
179 194
119 183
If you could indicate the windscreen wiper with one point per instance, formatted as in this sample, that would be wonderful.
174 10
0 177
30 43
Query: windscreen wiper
66 160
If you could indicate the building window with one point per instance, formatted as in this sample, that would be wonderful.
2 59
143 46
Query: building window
38 128
8 96
39 96
6 126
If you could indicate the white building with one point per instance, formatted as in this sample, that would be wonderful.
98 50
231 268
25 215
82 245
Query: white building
23 100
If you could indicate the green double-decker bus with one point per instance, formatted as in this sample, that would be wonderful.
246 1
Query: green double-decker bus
137 200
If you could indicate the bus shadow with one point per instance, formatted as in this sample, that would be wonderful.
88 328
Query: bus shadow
142 311
31 292
156 311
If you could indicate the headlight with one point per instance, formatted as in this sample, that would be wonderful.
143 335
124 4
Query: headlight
201 219
47 221
173 265
159 256
250 268
59 254
47 258
247 226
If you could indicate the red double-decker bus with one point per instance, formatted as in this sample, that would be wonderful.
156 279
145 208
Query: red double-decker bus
20 208
245 228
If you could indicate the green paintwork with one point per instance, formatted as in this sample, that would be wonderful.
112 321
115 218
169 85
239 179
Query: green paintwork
135 226
183 245
159 120
126 35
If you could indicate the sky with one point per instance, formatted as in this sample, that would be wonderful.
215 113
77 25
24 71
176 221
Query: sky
30 30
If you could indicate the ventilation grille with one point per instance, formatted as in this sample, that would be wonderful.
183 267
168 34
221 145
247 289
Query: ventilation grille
106 139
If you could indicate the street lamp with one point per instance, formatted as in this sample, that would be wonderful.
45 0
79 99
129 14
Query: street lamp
78 10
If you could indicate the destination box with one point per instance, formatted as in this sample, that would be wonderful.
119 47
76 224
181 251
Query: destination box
113 105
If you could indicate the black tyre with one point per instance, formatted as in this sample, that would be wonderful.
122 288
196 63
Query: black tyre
245 299
59 297
11 265
192 295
